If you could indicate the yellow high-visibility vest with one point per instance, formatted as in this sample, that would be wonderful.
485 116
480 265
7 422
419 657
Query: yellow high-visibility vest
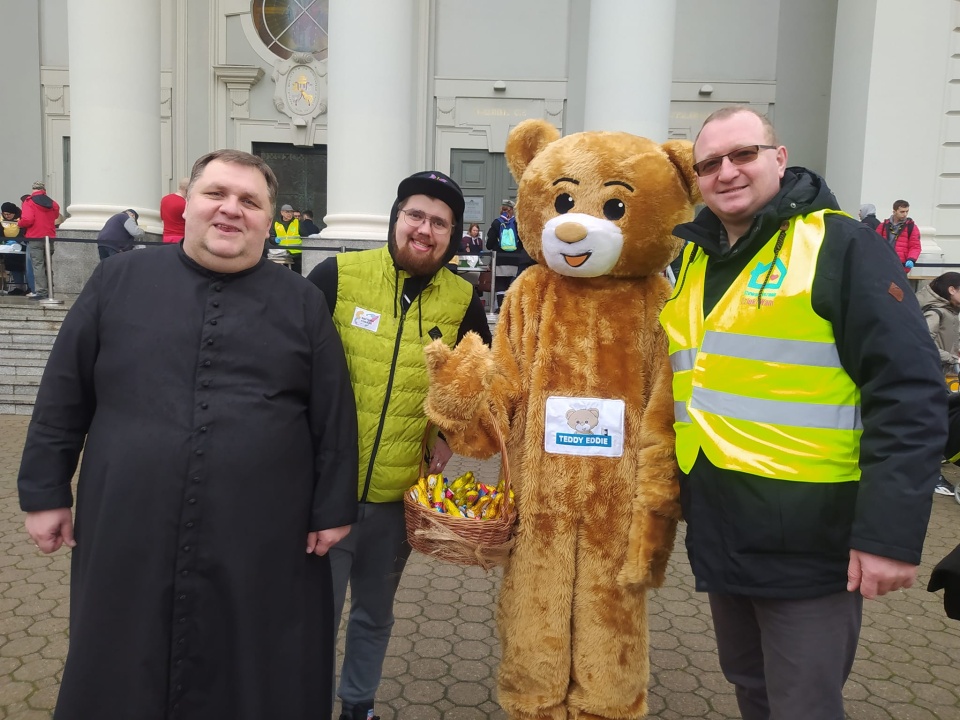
289 237
758 384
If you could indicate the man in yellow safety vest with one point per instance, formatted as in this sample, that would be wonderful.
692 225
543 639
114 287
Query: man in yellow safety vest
810 416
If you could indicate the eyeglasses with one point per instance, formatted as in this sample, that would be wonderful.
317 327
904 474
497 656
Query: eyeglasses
741 156
415 218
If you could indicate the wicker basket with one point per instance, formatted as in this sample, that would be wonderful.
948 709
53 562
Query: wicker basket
464 541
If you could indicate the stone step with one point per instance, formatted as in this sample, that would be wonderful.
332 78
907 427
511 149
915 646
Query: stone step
27 367
20 353
16 404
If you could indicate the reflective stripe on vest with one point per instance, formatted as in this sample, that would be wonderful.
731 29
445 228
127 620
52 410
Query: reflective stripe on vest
289 237
758 385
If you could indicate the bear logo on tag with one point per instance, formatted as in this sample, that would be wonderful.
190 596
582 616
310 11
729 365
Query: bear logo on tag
366 319
584 426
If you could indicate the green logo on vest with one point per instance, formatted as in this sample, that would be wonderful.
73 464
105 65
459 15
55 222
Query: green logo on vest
773 282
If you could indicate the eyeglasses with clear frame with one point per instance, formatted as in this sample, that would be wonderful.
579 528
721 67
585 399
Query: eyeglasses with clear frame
741 156
415 218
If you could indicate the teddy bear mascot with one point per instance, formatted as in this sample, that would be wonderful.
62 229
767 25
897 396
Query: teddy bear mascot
579 384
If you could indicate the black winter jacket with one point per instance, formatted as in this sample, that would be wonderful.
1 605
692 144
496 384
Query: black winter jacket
755 536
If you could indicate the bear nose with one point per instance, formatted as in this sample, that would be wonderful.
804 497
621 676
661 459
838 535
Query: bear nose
571 232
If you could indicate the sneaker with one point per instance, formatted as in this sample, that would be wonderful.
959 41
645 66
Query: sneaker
37 296
943 487
32 295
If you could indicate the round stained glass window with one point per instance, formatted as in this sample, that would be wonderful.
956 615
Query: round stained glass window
289 26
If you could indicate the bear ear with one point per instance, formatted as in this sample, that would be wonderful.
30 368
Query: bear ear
525 141
680 153
596 413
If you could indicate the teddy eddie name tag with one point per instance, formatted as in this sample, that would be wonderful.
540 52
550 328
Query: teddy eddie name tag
584 426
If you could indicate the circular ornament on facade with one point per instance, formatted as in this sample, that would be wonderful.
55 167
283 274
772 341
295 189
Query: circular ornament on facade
290 26
302 90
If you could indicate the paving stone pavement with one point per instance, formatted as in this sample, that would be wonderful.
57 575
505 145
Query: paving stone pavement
442 660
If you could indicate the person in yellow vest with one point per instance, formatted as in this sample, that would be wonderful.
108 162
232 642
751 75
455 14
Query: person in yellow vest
286 233
388 304
810 416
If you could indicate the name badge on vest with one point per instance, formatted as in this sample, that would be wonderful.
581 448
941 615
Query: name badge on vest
365 319
584 426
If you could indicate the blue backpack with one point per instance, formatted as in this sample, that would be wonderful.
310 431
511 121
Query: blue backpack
508 238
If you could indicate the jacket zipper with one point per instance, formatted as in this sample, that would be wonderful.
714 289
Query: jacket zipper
383 412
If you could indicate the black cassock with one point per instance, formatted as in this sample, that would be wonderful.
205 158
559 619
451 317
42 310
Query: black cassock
220 429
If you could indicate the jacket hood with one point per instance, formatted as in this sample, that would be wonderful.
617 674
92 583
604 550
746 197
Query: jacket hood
928 298
41 199
802 191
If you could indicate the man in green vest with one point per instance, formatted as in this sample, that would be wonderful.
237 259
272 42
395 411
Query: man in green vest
285 232
810 419
388 304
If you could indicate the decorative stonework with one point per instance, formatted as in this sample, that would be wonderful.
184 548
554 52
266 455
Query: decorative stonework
238 79
446 111
54 99
300 93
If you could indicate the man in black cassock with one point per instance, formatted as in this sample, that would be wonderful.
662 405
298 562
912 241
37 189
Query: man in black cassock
220 465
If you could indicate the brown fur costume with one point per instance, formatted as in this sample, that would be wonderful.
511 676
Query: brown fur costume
596 210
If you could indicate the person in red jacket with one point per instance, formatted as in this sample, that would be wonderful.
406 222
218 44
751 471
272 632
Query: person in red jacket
171 213
38 217
902 234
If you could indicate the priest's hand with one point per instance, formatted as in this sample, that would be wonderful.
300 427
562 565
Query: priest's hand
440 455
49 529
321 541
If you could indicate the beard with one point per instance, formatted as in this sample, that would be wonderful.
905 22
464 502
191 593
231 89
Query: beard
412 262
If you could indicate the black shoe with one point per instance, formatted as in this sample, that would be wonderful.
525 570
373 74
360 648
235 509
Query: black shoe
360 712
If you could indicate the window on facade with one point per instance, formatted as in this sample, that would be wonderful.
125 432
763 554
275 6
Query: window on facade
289 26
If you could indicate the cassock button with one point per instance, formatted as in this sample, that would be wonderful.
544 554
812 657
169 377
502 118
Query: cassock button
216 304
213 322
199 452
190 524
218 288
182 620
210 341
179 688
180 641
184 572
203 429
196 478
206 363
204 406
182 598
186 548
192 501
206 383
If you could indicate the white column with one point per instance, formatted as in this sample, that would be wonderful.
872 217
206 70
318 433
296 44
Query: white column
630 66
114 111
371 115
874 151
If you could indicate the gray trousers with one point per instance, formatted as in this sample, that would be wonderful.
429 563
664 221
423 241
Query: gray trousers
39 261
788 659
371 558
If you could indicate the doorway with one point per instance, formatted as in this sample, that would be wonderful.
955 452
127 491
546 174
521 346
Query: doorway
485 180
301 174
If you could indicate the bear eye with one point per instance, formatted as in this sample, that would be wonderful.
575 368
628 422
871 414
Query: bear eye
563 203
614 209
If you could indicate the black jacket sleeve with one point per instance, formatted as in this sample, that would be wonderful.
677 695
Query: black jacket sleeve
884 346
333 425
324 276
64 409
475 319
493 236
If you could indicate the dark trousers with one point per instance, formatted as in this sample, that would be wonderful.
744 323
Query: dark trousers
371 559
106 252
787 659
